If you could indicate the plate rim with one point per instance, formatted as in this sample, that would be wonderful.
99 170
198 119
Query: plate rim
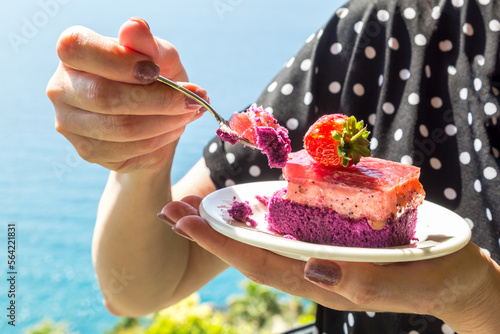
304 250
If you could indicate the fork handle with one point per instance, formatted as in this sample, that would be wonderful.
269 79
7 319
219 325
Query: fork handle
192 95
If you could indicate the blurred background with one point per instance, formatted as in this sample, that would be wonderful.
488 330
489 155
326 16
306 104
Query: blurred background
232 48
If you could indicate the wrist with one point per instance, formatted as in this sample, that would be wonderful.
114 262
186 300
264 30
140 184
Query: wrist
476 310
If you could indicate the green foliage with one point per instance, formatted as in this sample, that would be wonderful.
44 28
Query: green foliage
48 326
191 317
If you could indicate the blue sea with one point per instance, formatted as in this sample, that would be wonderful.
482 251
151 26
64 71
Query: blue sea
232 48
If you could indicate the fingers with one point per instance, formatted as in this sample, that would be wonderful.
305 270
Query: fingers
85 50
402 287
136 35
118 128
105 152
94 93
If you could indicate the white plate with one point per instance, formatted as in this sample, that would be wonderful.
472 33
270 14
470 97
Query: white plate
439 230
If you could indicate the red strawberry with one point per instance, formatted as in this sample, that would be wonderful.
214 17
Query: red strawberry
336 139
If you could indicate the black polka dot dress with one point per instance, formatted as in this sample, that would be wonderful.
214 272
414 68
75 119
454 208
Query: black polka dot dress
425 76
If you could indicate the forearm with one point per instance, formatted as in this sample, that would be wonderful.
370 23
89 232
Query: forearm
137 258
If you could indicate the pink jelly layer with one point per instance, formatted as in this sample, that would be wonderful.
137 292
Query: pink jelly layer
325 226
259 127
374 189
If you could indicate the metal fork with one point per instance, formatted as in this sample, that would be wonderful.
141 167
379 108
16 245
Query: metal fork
204 103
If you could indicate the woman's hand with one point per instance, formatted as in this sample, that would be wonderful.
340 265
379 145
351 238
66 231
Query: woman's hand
462 288
108 104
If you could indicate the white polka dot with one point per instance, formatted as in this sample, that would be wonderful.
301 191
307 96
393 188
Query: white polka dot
373 143
414 99
292 124
398 134
350 319
490 108
457 3
230 157
450 130
320 33
445 328
305 65
436 12
208 170
420 40
490 173
393 43
342 12
435 163
469 118
413 332
436 102
488 214
477 84
477 186
272 87
229 183
452 70
427 71
358 89
409 13
495 151
404 74
334 87
269 110
372 118
380 80
484 2
254 171
423 130
469 222
287 89
290 62
464 158
450 194
383 15
468 29
388 108
445 45
407 160
370 52
479 59
478 145
336 48
308 97
372 314
310 38
213 147
494 25
358 27
464 93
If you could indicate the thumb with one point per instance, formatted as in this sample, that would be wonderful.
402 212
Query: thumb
136 35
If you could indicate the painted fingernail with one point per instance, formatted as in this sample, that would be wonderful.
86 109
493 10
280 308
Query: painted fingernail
181 233
166 219
138 19
323 272
190 103
146 71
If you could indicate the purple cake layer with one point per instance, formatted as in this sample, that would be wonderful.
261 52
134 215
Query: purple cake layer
324 226
275 144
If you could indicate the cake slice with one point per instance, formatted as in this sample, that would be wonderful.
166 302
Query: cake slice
370 204
259 127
